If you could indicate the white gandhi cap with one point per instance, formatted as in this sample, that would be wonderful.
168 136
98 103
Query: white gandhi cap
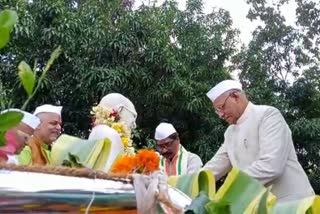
47 108
164 130
222 87
27 119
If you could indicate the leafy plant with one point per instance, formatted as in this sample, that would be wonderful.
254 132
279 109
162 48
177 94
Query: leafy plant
8 19
8 120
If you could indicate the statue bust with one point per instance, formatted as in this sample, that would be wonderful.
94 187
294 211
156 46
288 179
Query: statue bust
123 106
117 128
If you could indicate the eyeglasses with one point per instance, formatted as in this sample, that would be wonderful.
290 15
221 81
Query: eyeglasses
220 109
167 145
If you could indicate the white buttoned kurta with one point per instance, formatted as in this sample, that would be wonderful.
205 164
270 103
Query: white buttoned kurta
261 145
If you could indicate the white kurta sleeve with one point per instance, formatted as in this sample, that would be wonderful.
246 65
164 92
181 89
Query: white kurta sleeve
220 164
274 144
194 163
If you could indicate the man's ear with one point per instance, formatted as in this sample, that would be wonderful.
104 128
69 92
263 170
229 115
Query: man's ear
236 94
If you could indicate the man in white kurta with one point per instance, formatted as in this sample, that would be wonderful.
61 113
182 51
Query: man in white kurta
258 142
175 159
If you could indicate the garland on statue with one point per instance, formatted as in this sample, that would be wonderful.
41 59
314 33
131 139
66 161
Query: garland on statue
107 116
144 162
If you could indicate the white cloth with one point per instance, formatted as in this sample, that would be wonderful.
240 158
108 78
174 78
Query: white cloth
27 119
100 132
194 163
153 187
146 187
13 159
260 144
222 87
47 108
163 131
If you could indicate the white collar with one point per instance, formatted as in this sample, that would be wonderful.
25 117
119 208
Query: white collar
245 114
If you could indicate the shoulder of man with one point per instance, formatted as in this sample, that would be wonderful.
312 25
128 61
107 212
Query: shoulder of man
193 156
270 115
268 111
265 108
25 156
260 112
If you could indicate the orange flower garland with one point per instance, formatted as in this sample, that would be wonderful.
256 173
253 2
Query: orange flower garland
148 161
124 165
144 162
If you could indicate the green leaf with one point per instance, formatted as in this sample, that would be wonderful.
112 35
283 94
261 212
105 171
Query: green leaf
240 190
4 37
262 206
55 54
2 138
218 207
203 182
8 18
9 120
27 77
74 160
197 206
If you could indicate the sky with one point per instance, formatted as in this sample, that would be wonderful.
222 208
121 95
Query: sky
238 10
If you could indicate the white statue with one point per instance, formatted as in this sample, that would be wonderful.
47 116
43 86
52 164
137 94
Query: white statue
115 118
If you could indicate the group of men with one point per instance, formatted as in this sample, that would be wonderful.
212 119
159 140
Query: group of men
258 141
29 143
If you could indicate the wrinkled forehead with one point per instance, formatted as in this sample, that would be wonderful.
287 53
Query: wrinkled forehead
165 141
25 128
49 117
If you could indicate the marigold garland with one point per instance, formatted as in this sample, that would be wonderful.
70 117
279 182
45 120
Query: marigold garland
144 162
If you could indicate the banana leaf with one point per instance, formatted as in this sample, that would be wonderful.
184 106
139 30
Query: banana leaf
198 204
79 152
193 184
263 205
310 205
241 193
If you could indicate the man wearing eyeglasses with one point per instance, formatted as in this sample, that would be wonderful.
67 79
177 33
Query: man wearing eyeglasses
175 159
258 142
17 137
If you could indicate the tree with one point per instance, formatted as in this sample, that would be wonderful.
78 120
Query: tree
280 67
163 59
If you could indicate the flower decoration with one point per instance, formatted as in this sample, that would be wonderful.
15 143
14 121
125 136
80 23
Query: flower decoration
144 162
111 118
104 115
125 165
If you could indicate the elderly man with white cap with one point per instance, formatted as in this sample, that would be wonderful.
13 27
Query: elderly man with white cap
17 137
175 159
258 142
38 150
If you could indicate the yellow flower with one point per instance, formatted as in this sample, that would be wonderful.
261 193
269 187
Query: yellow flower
119 127
125 141
107 116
